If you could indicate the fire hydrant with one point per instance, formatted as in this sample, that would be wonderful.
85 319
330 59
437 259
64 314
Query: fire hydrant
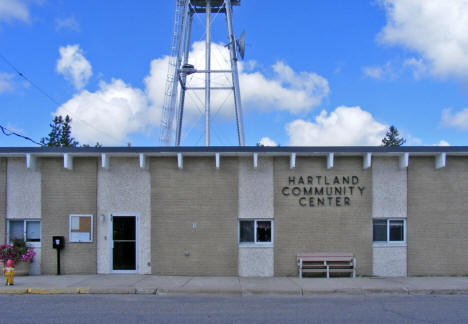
9 272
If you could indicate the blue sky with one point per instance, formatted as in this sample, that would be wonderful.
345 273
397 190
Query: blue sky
328 72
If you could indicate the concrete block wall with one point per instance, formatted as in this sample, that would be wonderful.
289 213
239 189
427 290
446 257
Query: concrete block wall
194 216
24 186
437 217
389 200
256 201
124 188
66 192
333 228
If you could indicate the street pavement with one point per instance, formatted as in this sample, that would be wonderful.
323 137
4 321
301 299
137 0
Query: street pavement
108 308
232 286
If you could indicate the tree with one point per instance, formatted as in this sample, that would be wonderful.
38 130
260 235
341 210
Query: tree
392 138
60 133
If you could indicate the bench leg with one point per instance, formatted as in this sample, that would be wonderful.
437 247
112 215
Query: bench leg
328 272
354 268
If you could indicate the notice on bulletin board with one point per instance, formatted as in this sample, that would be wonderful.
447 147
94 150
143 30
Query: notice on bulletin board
81 228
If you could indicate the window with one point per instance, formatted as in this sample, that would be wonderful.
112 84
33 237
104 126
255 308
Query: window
28 230
389 230
255 231
81 228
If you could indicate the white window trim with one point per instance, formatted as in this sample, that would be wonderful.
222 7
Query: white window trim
389 243
70 224
255 243
24 220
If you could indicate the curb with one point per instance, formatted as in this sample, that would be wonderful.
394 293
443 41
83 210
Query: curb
227 292
198 291
13 291
53 291
102 291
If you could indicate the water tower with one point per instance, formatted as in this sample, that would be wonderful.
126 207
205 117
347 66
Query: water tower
179 67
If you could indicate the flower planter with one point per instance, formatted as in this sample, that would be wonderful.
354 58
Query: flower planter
22 268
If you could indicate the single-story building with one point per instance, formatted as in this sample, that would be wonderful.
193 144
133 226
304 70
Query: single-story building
247 211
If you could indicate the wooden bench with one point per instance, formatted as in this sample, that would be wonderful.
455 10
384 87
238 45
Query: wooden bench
326 263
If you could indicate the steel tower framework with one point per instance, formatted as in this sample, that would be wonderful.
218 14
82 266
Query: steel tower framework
179 68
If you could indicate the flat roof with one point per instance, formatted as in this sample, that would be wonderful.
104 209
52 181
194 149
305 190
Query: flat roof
238 150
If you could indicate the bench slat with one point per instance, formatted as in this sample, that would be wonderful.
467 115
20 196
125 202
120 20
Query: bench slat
327 263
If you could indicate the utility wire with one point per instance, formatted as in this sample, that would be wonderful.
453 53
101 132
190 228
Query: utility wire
20 74
8 132
28 80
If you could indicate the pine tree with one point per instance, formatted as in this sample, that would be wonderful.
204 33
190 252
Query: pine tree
60 133
65 139
392 138
53 139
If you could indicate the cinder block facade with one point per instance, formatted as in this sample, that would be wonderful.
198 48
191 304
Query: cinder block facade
66 192
238 211
438 217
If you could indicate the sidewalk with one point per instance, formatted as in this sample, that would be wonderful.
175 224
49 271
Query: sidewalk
234 286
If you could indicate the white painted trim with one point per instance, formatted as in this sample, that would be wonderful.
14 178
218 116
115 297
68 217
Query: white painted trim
404 160
292 161
330 160
105 161
31 161
255 160
255 243
440 160
68 161
180 161
25 220
137 242
391 243
69 227
367 161
143 161
217 158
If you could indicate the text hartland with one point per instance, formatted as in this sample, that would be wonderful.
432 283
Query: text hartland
323 191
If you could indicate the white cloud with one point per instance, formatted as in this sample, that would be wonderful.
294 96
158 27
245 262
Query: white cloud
67 23
286 90
6 83
435 29
417 66
74 66
117 104
442 143
266 141
108 115
374 72
342 127
13 10
458 120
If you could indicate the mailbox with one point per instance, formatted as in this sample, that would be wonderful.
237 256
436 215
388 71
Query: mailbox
58 242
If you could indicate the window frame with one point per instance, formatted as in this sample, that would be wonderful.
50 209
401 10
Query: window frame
25 221
388 242
91 240
255 243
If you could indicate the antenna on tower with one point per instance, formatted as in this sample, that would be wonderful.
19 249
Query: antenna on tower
180 69
241 45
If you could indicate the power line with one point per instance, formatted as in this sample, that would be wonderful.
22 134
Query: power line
28 80
8 132
20 74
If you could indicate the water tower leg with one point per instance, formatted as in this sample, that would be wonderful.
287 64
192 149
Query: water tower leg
207 75
180 110
235 73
